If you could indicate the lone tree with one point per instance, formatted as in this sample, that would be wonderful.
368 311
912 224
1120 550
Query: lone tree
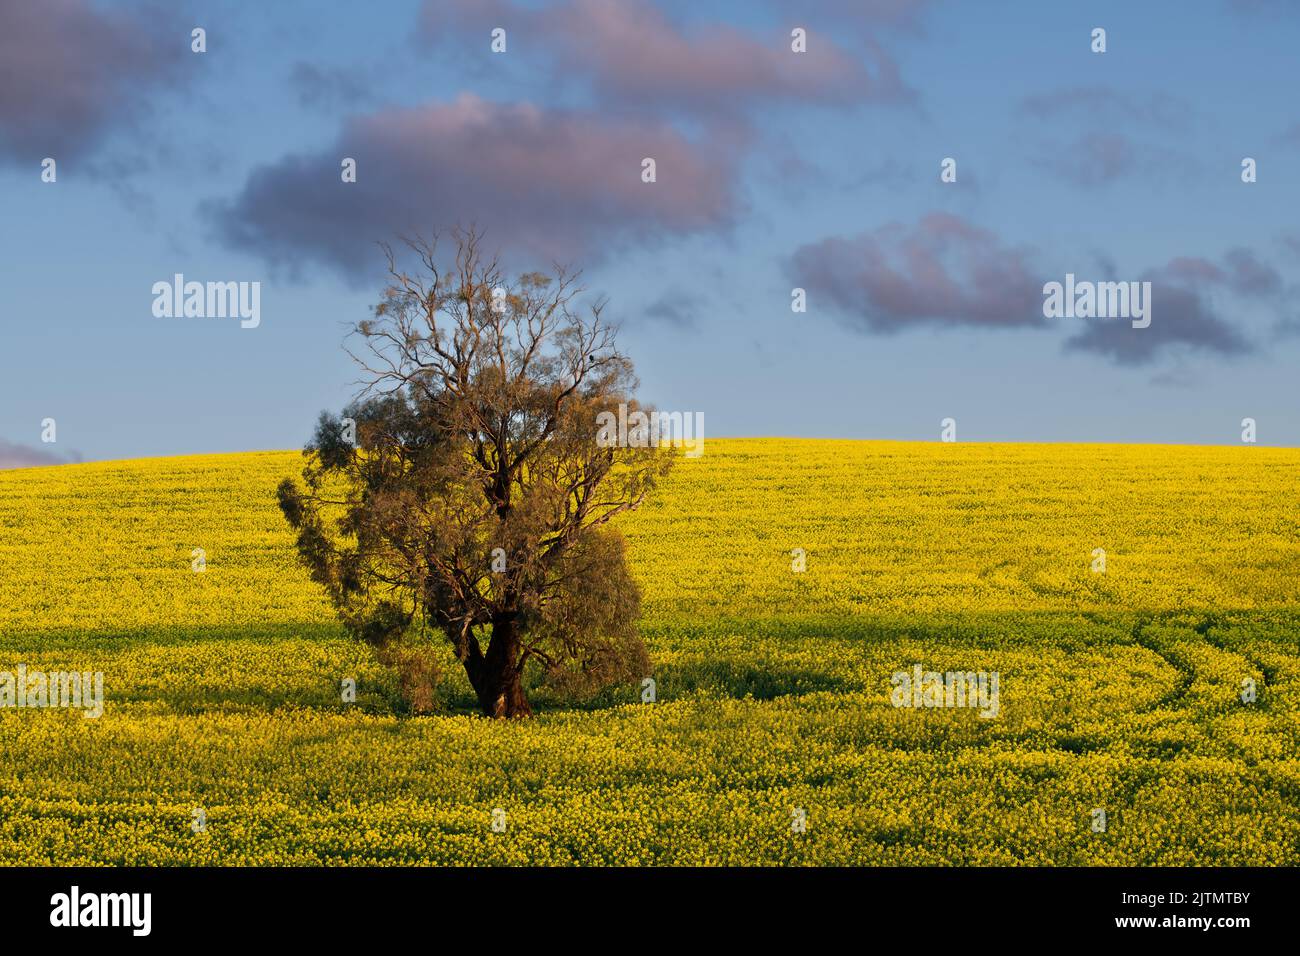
464 492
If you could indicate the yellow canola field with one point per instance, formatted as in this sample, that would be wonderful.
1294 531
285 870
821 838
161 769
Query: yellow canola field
1121 690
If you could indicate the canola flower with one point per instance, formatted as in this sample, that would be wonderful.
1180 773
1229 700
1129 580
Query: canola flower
1121 690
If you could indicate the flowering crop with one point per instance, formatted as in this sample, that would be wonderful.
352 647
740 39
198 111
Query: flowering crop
785 581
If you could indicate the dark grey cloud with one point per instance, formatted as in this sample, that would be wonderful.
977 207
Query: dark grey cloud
546 184
71 70
942 272
1184 310
676 308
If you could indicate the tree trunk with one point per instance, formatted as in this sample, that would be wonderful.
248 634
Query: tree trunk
497 676
504 697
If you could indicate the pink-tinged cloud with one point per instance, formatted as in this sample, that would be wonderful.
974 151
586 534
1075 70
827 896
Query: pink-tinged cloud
1242 272
70 70
943 271
1192 270
14 455
635 56
547 185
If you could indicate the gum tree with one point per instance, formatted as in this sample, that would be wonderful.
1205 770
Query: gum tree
464 496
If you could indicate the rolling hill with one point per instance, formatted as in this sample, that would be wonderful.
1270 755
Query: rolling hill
1121 690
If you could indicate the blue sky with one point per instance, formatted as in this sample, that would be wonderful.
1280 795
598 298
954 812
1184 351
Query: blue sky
223 166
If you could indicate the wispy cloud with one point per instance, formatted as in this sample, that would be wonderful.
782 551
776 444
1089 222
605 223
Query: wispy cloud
1107 105
329 88
633 55
1099 135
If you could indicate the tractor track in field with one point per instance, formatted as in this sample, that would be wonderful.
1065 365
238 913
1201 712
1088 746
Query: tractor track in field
1207 626
1183 682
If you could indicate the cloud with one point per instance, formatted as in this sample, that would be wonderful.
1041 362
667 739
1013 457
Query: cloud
1289 136
1242 272
1287 327
942 272
946 272
1178 376
635 56
675 308
329 88
548 184
1097 158
1109 150
1113 147
1290 242
14 455
70 71
1247 275
1105 105
1183 313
